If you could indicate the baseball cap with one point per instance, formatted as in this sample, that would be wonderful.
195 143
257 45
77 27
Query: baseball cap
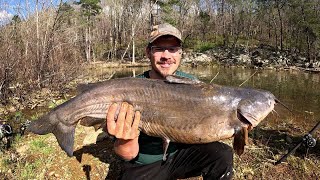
164 29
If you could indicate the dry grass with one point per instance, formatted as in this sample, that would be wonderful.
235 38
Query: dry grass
40 157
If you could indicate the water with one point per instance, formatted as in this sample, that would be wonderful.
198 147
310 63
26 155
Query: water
298 90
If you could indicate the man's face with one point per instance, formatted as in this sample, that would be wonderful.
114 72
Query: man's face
165 55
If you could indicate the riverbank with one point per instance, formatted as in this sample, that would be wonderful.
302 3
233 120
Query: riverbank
260 57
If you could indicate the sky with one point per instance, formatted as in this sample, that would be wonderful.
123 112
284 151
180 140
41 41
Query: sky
5 17
5 14
23 8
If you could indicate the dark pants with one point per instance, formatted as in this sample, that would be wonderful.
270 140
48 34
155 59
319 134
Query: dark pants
212 161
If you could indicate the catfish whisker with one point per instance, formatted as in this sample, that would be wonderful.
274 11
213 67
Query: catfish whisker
274 111
277 101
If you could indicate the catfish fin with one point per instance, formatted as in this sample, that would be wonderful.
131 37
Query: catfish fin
85 87
97 123
181 80
240 140
166 143
65 137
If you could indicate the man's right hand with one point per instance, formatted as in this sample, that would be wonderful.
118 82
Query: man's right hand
126 125
125 129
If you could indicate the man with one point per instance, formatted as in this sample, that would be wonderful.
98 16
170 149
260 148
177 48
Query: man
144 153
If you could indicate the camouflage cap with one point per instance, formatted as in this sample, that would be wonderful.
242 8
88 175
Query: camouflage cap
164 29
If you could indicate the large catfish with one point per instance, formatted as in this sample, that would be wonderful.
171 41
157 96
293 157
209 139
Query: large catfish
176 109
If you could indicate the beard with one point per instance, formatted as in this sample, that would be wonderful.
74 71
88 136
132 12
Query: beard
163 72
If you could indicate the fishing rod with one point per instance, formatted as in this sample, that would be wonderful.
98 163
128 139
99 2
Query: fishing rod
307 139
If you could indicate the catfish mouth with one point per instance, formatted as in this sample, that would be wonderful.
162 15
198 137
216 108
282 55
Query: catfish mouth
250 119
253 114
243 119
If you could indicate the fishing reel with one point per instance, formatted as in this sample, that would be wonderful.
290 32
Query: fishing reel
5 136
5 130
24 126
309 141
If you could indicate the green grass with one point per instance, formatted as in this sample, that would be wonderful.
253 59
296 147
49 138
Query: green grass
29 169
54 103
40 145
204 46
5 162
31 166
17 138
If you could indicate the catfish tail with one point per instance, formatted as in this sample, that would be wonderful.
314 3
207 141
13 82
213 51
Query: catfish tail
44 125
50 124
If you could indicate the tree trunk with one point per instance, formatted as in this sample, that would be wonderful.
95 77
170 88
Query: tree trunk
88 41
224 32
38 46
133 45
281 25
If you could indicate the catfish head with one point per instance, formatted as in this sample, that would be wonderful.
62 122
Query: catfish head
255 107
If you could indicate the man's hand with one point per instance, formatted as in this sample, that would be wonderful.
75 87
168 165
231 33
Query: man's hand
126 125
125 129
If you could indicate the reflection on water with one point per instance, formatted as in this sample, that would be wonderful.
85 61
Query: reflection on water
298 90
103 73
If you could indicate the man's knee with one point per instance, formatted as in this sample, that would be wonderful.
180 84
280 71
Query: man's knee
220 157
226 155
220 152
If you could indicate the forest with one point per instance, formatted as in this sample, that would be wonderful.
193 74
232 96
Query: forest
45 43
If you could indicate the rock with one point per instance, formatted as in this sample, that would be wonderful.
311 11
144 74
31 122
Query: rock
196 58
257 62
255 53
313 65
93 136
244 59
306 65
258 56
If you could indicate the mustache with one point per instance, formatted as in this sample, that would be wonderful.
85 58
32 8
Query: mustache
165 61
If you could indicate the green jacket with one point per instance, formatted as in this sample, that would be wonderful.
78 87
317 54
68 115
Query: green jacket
151 148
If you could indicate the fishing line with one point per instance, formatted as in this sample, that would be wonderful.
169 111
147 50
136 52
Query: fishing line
279 102
248 78
214 77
